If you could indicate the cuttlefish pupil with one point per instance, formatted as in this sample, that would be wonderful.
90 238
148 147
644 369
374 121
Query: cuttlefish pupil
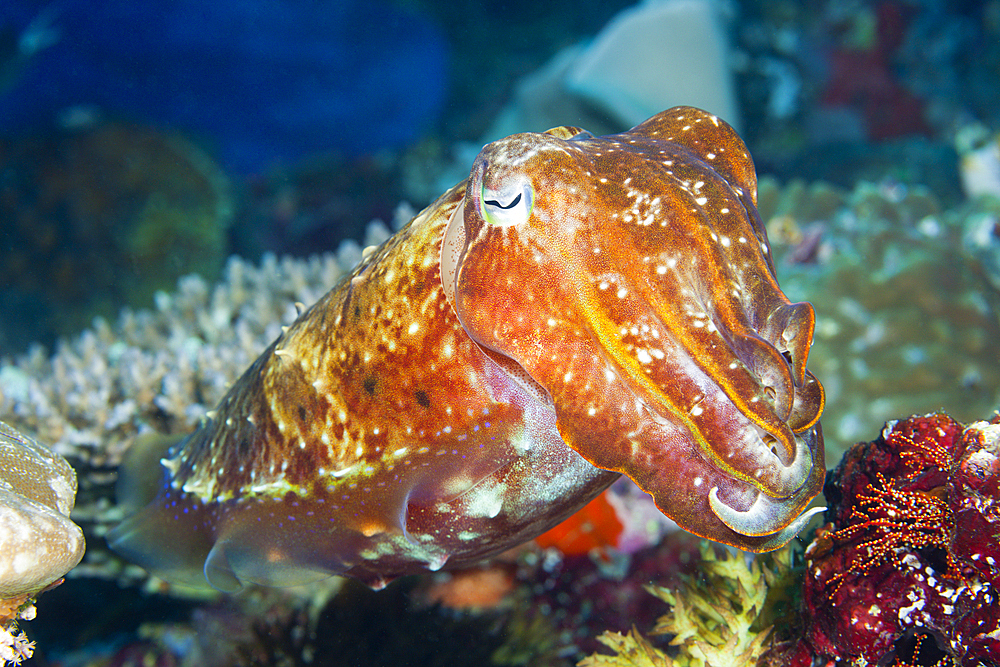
580 307
510 204
496 203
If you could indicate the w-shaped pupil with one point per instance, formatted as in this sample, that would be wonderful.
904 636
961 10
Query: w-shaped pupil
494 202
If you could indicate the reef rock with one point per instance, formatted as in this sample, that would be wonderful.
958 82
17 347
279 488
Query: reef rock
909 565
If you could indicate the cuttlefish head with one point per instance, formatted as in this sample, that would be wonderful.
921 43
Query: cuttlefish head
627 280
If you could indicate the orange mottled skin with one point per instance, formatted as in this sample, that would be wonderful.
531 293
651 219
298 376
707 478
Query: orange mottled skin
580 307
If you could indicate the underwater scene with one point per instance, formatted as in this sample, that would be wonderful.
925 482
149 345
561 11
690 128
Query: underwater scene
518 334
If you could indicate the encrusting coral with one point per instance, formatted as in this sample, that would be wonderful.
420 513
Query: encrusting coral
38 542
906 311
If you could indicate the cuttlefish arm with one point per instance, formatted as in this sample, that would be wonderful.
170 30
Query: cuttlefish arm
630 277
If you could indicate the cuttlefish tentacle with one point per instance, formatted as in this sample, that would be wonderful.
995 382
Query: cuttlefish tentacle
657 288
765 518
650 376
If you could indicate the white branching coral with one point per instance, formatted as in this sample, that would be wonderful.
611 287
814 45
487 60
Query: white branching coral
158 371
161 369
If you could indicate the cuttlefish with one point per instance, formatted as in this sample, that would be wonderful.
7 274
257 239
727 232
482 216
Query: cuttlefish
579 308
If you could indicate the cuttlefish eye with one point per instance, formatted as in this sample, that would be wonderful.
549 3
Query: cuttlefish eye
508 205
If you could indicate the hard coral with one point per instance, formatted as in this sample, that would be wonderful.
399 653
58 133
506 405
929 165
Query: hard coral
104 202
912 551
38 542
906 323
157 371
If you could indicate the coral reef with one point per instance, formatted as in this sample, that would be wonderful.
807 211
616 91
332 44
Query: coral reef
979 160
584 595
160 369
905 572
903 309
14 644
912 550
532 609
905 321
719 618
156 371
837 88
909 514
128 207
329 625
863 79
38 542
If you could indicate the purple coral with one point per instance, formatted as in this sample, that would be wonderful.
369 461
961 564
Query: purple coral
910 561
